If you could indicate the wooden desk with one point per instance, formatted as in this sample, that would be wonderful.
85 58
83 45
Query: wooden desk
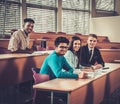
117 61
85 91
109 55
4 42
16 68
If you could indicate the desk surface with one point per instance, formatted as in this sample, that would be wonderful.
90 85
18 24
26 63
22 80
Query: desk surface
118 61
68 85
21 55
110 50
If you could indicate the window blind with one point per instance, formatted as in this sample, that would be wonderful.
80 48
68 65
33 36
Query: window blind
10 16
50 3
106 5
44 13
75 16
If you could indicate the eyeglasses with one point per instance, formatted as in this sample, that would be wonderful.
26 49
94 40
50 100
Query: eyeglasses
63 47
93 40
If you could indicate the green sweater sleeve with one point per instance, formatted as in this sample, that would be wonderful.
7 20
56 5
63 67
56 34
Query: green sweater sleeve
57 63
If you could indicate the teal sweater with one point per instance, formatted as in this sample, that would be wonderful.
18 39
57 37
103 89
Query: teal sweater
53 65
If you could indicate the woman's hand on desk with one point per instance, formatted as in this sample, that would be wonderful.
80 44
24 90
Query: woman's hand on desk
82 75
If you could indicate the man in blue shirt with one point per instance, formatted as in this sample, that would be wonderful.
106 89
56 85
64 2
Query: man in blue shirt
55 62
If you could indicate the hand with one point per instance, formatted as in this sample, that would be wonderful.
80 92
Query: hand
87 69
97 66
82 74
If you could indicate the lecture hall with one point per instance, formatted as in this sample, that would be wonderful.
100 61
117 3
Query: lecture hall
36 35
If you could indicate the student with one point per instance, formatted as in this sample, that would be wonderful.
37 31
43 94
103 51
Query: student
72 55
55 62
90 55
19 41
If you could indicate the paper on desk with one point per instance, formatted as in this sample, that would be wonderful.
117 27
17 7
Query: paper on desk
43 52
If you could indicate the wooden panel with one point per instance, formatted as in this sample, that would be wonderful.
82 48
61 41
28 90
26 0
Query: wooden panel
79 98
114 79
109 55
4 43
89 93
17 68
53 36
103 41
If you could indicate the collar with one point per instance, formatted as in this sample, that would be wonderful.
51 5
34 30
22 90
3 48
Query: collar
90 49
25 33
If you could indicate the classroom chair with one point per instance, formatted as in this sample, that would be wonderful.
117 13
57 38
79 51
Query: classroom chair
38 78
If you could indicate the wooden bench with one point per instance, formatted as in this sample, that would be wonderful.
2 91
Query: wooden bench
103 41
69 36
109 55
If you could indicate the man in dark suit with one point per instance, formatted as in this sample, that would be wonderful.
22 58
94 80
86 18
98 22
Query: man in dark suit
90 55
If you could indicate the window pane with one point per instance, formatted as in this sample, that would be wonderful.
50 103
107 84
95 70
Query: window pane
51 3
75 22
13 0
44 14
44 19
76 15
107 5
76 4
10 16
1 18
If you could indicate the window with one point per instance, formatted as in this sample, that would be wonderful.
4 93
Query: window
10 16
44 13
106 5
76 15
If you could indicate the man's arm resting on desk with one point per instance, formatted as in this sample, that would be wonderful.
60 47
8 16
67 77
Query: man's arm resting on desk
24 51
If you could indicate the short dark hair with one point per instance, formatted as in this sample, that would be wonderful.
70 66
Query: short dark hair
61 39
29 20
72 41
93 35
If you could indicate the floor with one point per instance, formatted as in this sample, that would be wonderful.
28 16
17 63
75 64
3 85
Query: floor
18 94
23 94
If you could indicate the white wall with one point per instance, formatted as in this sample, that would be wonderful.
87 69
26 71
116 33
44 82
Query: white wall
106 26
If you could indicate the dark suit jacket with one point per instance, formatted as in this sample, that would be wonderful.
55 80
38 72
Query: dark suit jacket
84 57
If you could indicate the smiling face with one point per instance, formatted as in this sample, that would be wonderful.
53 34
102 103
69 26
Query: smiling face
76 45
91 42
62 48
28 27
